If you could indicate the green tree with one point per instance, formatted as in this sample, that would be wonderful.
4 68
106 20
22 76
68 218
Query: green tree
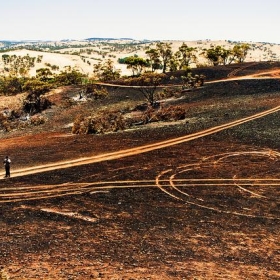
39 58
5 58
105 71
69 77
18 65
136 64
226 56
44 74
154 59
186 55
165 52
217 55
240 52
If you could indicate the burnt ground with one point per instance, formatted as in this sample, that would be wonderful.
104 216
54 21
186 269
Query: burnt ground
203 209
130 228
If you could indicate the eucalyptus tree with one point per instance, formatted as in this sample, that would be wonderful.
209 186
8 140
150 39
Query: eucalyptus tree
217 55
69 77
44 74
226 56
165 52
174 62
154 59
186 55
105 71
240 52
147 84
136 64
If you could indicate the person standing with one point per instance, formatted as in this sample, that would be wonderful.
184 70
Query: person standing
7 163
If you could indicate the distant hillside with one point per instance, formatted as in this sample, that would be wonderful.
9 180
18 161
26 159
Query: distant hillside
107 39
83 54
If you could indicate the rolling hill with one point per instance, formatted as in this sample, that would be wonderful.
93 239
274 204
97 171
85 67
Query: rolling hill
82 55
192 199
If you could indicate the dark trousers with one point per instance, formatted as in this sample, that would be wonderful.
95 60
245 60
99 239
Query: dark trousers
7 168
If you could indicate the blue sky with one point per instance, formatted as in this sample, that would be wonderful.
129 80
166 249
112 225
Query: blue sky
240 20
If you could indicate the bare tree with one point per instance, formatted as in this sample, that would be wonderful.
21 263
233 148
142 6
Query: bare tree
147 84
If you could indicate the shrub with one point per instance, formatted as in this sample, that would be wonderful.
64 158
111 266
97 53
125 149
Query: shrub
112 121
35 86
168 92
96 92
4 123
171 113
11 85
102 122
77 125
37 120
9 119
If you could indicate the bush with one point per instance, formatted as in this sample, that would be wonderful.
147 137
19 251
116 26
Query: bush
77 125
171 113
4 123
35 101
113 121
11 85
96 92
9 119
100 123
169 92
37 87
70 77
3 275
37 120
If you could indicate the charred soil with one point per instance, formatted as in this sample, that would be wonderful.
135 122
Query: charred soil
206 208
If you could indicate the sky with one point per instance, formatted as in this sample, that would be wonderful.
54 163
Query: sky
238 20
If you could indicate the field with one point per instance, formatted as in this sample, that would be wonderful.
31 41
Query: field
195 199
83 55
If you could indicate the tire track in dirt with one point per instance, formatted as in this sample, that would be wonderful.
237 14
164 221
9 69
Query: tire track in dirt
49 191
189 182
138 150
167 182
58 190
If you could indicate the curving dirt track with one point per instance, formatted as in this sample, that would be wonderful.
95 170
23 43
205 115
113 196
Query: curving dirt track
178 188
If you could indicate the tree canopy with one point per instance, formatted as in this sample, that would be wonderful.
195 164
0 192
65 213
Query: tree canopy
220 55
105 71
147 84
136 64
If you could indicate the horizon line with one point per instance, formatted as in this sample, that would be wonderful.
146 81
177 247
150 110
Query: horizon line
129 38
